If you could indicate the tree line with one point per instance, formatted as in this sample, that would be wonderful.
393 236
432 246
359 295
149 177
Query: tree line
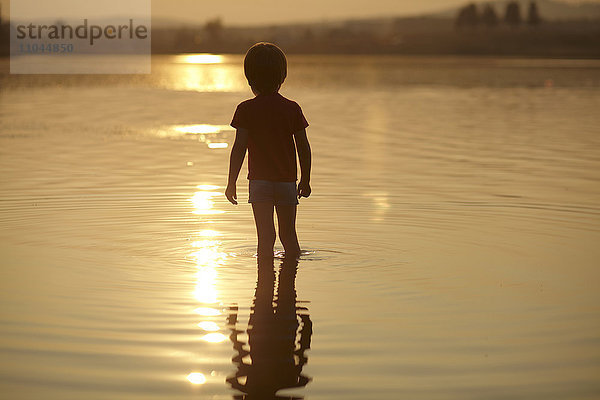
471 15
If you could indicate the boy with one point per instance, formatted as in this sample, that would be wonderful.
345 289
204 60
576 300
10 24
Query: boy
267 126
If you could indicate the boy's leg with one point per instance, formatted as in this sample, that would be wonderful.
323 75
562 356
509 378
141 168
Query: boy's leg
286 220
265 228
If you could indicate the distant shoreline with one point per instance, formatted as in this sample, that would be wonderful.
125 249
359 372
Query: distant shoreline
405 36
426 36
6 57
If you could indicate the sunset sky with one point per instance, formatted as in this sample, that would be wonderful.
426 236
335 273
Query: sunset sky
244 12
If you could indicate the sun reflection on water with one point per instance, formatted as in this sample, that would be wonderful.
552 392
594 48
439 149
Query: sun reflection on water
204 205
201 58
205 73
217 145
381 205
208 326
207 311
197 378
201 128
205 291
208 258
214 337
215 136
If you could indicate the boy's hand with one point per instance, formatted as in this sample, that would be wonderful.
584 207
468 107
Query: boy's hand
231 194
303 189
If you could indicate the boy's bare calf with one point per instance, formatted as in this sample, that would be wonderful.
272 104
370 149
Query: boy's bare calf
265 229
286 221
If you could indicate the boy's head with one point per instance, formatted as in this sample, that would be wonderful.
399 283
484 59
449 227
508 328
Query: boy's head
265 67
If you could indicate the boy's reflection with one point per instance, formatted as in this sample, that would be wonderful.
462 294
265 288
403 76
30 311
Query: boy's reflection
279 333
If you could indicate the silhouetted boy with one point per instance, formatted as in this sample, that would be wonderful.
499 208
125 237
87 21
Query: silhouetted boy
268 125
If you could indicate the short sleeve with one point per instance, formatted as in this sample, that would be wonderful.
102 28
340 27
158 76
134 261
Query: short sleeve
299 121
239 119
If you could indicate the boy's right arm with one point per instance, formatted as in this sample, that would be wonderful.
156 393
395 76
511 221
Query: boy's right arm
236 159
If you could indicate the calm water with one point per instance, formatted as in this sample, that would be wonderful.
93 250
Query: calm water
451 239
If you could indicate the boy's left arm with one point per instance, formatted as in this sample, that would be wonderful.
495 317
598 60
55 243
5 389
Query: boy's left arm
236 159
305 158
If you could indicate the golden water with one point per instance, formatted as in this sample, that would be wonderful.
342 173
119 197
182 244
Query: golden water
451 239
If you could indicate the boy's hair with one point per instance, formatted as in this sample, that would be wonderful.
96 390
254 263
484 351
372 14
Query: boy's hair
265 67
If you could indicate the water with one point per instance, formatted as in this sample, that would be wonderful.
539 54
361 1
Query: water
451 240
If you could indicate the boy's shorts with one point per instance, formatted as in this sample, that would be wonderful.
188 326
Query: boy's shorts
278 193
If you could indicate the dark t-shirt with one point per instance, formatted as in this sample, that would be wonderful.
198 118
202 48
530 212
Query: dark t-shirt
271 121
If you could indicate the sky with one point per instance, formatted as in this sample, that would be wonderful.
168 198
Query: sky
256 12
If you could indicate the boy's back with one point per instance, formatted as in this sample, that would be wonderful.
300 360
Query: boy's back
271 121
271 128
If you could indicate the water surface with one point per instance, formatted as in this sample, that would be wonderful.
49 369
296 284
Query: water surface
451 239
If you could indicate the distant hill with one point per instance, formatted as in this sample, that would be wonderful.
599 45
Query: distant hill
568 30
161 22
549 9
